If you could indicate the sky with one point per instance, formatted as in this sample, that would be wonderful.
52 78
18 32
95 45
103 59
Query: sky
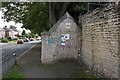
18 25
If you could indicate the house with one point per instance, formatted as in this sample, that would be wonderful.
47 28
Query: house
15 31
8 32
11 33
2 33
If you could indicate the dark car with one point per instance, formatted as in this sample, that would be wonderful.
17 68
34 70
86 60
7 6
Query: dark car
20 41
26 40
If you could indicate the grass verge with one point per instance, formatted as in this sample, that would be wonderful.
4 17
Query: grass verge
57 62
46 65
84 72
13 74
11 41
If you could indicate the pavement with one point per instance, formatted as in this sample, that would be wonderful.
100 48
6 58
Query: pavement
2 45
10 48
30 65
10 51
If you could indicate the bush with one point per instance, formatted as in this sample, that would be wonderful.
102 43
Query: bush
4 40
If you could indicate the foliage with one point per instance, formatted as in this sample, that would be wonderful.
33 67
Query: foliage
26 36
23 32
32 35
84 72
46 65
13 74
11 41
4 40
12 27
77 9
21 37
35 16
0 4
14 11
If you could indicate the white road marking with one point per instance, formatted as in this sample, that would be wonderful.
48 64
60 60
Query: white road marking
14 54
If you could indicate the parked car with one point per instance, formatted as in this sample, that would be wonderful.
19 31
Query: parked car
14 38
20 41
26 40
31 39
39 38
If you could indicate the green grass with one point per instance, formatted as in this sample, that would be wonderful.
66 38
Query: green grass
67 60
14 73
11 41
57 63
84 72
46 65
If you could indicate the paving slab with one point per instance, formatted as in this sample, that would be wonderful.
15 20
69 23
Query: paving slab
31 66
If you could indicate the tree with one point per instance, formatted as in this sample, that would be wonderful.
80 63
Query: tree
0 4
23 32
12 27
40 16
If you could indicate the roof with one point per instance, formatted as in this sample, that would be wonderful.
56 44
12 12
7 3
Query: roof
6 29
65 16
14 29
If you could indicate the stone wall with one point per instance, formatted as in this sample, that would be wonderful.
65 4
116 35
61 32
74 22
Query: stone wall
52 49
100 30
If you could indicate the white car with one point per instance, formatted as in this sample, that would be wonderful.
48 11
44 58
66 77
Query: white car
39 38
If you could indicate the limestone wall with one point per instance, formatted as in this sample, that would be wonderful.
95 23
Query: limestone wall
70 48
52 47
100 30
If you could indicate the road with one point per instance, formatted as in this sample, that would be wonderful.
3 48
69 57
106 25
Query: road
10 51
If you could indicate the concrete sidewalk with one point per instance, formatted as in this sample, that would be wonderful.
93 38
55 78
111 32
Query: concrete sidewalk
30 65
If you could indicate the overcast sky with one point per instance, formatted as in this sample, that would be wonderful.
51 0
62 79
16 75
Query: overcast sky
2 23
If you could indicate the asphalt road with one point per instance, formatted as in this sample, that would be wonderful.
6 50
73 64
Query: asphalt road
10 51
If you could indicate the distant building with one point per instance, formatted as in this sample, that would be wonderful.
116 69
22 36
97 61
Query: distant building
8 32
15 31
2 33
11 33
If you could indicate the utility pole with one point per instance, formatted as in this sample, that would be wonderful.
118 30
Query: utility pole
0 5
50 13
88 6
